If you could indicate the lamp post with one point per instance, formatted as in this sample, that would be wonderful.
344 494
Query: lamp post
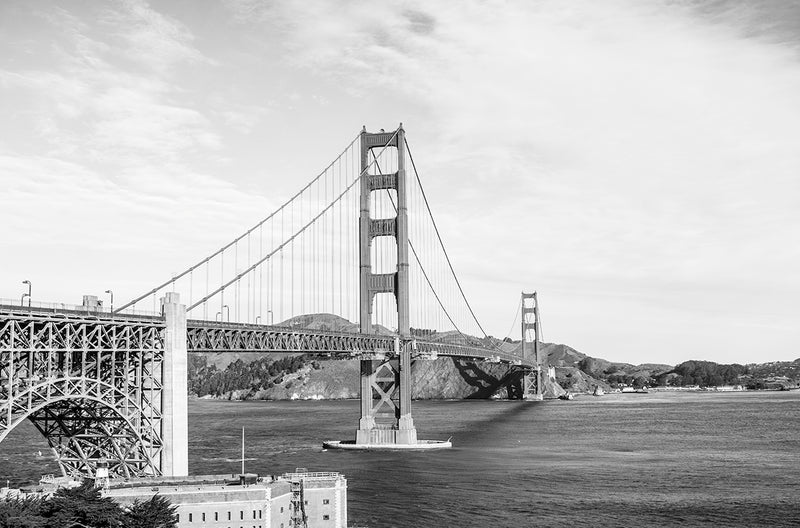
269 312
218 316
229 311
258 318
28 295
112 299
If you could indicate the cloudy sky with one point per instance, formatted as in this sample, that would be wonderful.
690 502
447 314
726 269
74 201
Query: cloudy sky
637 163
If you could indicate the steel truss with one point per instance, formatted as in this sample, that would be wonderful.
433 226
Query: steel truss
92 387
203 336
384 398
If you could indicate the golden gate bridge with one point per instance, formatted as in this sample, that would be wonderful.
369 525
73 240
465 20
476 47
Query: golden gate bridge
359 241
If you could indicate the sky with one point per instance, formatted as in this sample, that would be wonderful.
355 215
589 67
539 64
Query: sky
636 163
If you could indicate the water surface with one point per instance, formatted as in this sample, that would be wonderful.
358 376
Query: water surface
658 459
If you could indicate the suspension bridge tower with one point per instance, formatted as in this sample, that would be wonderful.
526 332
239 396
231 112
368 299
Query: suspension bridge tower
385 384
532 380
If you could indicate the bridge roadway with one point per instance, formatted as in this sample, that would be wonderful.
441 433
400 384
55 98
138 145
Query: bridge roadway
217 336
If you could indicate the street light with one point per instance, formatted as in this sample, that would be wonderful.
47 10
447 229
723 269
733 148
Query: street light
112 298
269 312
229 311
258 318
218 316
28 295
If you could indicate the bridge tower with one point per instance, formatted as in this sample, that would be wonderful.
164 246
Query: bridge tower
385 383
532 379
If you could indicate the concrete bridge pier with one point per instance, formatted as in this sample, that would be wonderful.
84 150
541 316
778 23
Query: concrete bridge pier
386 401
174 399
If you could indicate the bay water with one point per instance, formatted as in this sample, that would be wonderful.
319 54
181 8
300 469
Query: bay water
657 459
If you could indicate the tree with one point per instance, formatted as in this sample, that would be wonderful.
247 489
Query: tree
82 505
157 512
21 513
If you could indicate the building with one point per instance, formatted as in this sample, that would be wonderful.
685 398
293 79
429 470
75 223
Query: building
299 499
316 500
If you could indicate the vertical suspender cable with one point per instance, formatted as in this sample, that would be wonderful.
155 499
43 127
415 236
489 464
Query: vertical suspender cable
248 281
291 264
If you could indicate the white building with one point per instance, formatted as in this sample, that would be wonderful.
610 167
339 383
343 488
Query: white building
245 501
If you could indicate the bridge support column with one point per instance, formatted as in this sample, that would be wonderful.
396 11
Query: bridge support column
385 384
174 399
532 379
386 401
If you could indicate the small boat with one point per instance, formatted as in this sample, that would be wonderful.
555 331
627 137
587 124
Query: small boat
566 396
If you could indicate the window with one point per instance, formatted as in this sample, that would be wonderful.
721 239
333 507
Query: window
259 514
305 502
281 511
216 516
229 516
204 517
326 517
326 501
241 515
190 517
179 517
254 516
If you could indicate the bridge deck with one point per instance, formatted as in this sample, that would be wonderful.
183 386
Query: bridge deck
217 336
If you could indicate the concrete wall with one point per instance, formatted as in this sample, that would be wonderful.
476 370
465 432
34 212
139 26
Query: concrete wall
174 398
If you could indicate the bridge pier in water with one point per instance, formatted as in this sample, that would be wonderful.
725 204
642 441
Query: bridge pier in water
386 401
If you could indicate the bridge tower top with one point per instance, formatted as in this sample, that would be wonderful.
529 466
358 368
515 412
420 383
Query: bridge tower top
530 327
370 228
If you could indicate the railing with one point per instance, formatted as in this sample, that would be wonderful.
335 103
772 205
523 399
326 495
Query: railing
311 475
64 307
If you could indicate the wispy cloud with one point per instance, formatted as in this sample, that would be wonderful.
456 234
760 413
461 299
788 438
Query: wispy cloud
109 148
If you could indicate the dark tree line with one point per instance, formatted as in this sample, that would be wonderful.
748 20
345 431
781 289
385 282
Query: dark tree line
84 506
263 373
688 373
705 374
